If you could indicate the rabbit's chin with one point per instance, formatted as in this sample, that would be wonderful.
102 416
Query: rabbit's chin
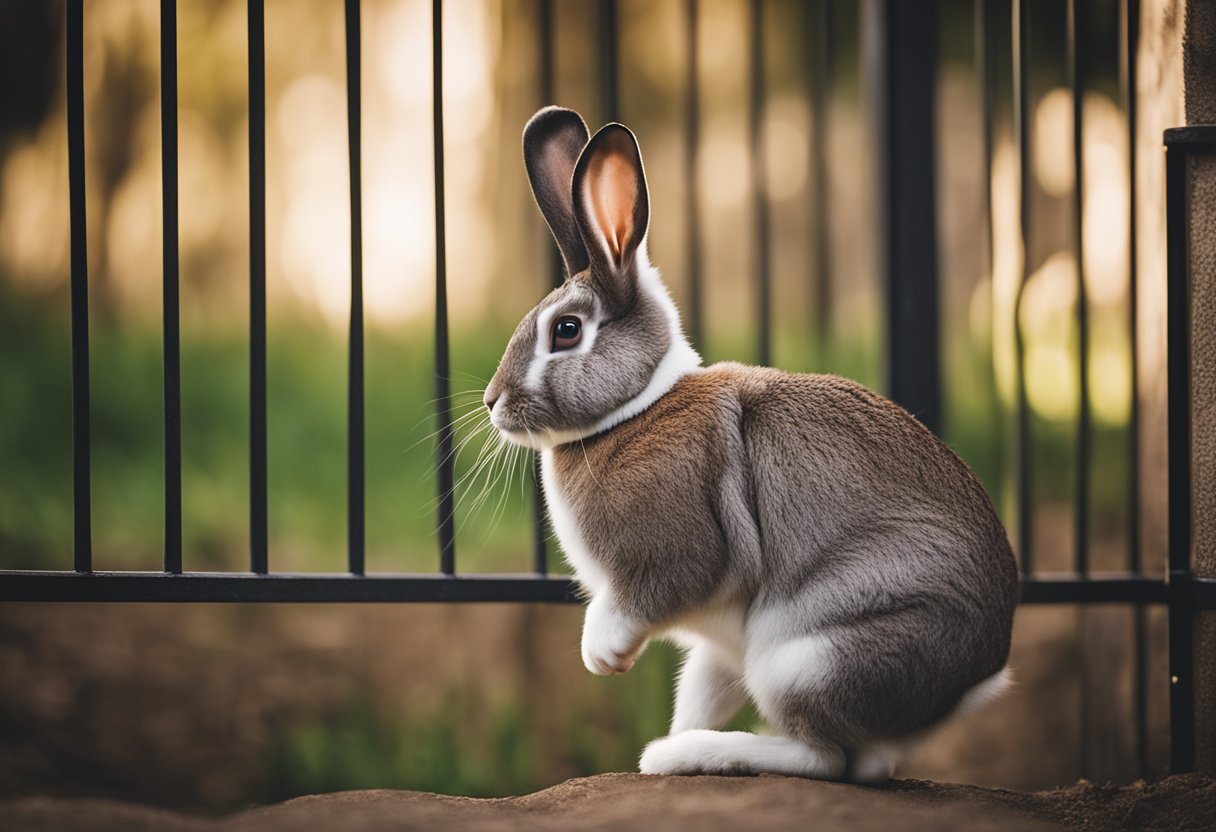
545 438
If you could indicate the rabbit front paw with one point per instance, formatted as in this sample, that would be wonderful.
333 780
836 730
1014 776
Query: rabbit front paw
612 641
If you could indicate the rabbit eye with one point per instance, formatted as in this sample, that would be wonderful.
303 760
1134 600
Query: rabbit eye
567 332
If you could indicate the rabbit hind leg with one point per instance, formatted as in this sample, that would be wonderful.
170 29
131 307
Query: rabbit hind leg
709 690
740 753
784 678
816 689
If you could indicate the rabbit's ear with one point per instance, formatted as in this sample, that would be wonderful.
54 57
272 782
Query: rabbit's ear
553 139
612 207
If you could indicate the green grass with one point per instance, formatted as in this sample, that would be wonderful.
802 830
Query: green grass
443 751
477 748
306 449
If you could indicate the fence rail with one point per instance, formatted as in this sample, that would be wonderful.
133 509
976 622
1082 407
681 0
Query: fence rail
904 58
343 587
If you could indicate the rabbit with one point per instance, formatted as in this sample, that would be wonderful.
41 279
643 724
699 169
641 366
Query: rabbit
808 543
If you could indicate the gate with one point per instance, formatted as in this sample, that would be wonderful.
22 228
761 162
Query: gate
903 58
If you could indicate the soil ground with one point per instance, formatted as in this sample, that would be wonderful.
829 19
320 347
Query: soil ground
179 705
160 717
634 801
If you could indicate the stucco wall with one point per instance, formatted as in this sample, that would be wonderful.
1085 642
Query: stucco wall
1199 95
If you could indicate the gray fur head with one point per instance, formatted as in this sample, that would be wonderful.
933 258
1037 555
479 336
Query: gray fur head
608 342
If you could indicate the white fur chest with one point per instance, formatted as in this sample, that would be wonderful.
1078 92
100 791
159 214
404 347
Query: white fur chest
589 573
722 624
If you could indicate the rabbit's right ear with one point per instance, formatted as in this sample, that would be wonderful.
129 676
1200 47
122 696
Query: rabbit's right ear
553 140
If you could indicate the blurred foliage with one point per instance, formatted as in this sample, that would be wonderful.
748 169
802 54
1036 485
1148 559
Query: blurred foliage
468 748
440 752
307 445
306 448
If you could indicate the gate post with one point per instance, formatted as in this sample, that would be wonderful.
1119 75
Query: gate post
1199 96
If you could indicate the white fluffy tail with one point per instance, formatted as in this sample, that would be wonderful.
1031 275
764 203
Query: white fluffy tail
876 763
738 752
984 693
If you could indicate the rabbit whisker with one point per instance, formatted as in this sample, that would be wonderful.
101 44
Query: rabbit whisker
486 482
588 462
500 509
518 461
462 441
484 457
481 459
460 421
457 448
484 473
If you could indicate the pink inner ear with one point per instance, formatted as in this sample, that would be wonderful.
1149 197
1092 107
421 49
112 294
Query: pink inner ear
612 191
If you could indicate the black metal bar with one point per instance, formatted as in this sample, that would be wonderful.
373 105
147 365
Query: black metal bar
1194 138
82 546
1140 688
540 542
692 200
1131 19
1178 364
547 74
1080 504
760 207
225 587
609 54
258 558
355 442
548 96
1095 589
822 81
1127 66
909 32
443 401
343 587
169 248
1202 594
557 275
1076 64
983 66
1021 111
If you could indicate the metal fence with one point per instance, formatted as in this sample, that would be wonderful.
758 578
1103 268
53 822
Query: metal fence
907 62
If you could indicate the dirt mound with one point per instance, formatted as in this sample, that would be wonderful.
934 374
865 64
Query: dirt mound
634 801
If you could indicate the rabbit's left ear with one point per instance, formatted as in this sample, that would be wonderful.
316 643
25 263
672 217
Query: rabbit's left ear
553 139
612 207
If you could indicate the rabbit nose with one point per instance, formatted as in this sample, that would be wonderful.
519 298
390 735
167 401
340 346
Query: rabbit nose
493 394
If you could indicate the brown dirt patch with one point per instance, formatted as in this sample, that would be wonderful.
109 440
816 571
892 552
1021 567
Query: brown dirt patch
634 801
178 705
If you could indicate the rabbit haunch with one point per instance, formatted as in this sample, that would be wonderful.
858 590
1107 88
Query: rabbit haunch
813 547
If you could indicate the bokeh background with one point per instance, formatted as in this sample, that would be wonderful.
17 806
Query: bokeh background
211 707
